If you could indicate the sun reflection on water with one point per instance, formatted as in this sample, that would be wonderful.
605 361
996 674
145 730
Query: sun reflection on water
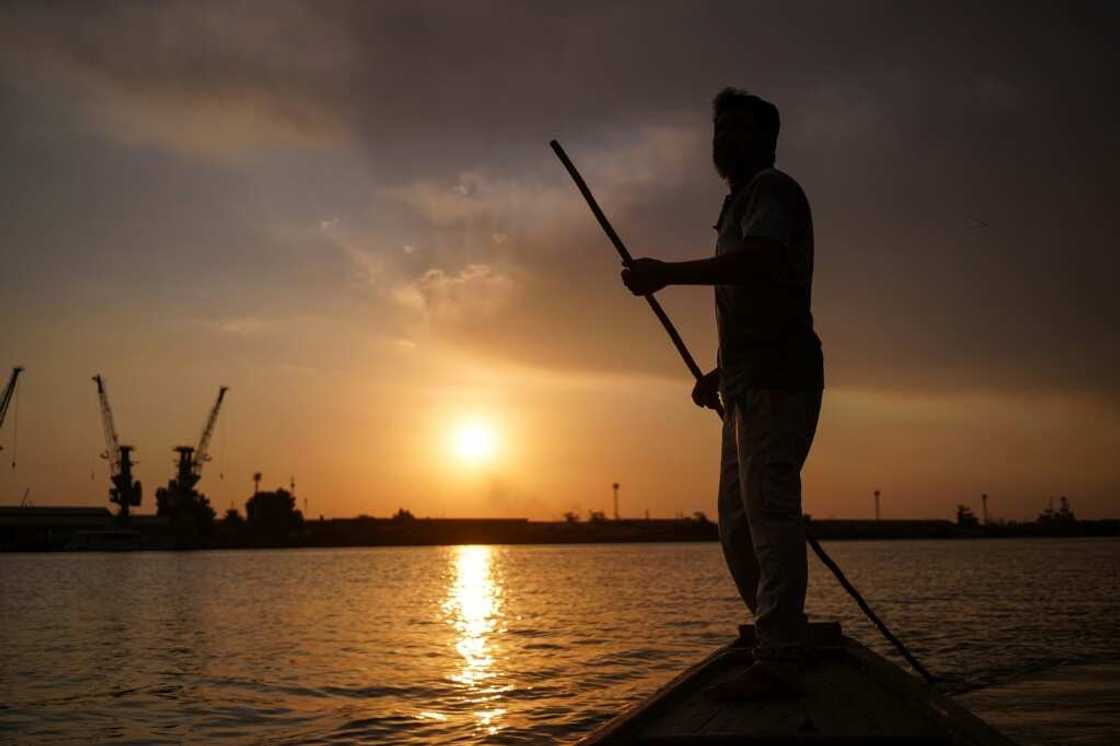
474 609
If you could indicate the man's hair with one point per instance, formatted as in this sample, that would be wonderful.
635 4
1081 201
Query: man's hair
763 113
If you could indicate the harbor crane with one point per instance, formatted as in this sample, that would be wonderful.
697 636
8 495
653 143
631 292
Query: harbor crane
191 458
6 399
125 492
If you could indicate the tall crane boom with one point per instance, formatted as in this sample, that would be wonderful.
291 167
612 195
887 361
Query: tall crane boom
6 400
9 391
112 442
124 492
201 452
188 469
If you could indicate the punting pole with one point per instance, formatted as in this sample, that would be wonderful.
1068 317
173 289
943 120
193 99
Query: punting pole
627 260
658 311
828 562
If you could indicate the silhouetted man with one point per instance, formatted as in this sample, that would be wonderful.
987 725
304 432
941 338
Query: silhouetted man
770 375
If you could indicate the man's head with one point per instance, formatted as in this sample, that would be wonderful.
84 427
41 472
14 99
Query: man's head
746 133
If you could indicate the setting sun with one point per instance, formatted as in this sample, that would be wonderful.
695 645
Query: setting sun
475 442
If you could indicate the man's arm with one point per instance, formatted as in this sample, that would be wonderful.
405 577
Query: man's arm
767 230
755 259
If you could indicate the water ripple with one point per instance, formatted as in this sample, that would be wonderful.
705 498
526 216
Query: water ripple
506 644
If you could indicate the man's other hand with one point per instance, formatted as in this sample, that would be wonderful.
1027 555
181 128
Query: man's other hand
645 276
706 391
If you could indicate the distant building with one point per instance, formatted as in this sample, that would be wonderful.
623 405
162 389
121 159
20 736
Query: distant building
36 529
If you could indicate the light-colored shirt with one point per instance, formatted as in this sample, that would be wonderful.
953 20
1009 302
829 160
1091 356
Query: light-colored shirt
766 336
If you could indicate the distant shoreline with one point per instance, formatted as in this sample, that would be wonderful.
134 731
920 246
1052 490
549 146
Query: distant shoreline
76 529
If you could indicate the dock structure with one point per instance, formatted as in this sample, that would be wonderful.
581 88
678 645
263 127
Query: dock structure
852 696
41 528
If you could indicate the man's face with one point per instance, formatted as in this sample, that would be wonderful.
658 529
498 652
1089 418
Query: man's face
734 143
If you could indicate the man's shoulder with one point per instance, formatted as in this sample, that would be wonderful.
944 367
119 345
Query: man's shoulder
769 188
775 179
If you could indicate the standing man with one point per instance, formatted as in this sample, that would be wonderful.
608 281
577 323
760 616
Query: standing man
770 375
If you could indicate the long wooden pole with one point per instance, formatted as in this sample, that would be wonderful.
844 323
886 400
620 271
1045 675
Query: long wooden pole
627 260
899 646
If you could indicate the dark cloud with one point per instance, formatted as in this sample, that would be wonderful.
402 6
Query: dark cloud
960 160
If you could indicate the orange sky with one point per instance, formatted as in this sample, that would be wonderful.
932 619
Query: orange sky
350 216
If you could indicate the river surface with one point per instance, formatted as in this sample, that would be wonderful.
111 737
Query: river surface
514 644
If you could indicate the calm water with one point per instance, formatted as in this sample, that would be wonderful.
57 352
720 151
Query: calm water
512 644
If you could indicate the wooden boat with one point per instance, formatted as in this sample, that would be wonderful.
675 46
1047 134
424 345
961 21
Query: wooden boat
853 696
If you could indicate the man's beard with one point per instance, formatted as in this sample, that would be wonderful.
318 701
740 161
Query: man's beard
734 164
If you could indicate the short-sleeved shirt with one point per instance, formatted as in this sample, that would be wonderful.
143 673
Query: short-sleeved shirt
766 336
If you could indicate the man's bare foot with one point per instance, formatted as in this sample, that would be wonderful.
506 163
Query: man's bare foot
764 680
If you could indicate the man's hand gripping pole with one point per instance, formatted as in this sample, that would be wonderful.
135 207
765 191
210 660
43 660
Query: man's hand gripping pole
627 260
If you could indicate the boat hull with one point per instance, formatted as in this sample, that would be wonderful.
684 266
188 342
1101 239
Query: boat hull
853 696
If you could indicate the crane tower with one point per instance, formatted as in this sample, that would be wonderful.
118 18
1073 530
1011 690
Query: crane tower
125 492
191 458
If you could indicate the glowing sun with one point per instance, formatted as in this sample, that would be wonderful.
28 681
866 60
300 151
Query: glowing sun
475 442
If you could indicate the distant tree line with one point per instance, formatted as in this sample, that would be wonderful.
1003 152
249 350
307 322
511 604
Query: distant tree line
271 519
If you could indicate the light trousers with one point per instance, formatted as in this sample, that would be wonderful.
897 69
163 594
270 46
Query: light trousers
767 434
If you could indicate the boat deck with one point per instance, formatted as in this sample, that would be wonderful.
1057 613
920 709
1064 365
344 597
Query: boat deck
853 696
